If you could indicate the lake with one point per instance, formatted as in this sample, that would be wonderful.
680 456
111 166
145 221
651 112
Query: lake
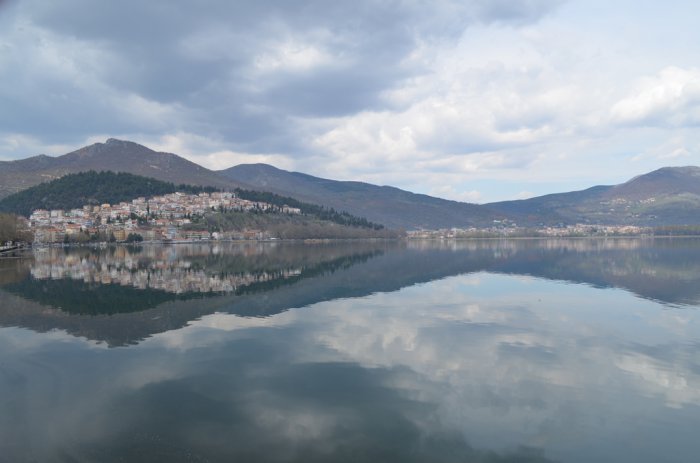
470 351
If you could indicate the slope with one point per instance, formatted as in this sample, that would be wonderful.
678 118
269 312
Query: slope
387 205
666 196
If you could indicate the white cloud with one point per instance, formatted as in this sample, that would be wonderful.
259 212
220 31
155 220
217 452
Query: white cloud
224 159
524 195
422 98
467 116
449 192
681 152
208 152
679 148
292 56
670 98
18 146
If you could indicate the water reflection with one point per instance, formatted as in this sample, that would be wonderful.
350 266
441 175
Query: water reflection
470 352
123 295
204 268
154 288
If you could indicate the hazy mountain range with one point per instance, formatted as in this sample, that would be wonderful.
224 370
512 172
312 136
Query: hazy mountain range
668 196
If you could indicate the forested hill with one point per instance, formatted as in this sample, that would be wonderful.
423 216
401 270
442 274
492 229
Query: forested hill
76 190
93 188
323 213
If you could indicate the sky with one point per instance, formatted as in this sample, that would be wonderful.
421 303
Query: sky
472 100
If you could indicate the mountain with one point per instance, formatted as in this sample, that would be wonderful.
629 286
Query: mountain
387 205
113 155
667 181
667 196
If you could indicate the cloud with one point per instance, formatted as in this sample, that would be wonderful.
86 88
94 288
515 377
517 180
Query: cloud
243 73
520 12
371 90
190 146
670 98
449 192
223 63
677 149
475 118
524 195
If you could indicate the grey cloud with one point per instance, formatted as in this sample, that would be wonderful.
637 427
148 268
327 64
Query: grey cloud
331 93
517 12
200 59
53 108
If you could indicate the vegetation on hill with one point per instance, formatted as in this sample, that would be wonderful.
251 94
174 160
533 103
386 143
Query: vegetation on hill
93 188
286 226
323 213
77 190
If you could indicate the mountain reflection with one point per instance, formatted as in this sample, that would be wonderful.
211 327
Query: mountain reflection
151 289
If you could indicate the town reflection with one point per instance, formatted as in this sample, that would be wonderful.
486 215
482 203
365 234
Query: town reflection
122 295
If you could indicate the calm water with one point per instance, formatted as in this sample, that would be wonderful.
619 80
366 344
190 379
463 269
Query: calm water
494 351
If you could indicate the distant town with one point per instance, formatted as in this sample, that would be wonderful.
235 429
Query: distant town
160 218
511 230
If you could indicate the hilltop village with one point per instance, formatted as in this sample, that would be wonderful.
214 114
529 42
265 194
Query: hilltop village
161 218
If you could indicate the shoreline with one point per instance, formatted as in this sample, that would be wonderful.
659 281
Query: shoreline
332 240
591 237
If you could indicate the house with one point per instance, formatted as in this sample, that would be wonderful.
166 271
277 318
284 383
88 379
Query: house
197 235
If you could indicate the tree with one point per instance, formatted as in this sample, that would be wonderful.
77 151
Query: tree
11 229
134 238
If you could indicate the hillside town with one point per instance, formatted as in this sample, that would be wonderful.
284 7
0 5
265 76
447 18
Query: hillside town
160 218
